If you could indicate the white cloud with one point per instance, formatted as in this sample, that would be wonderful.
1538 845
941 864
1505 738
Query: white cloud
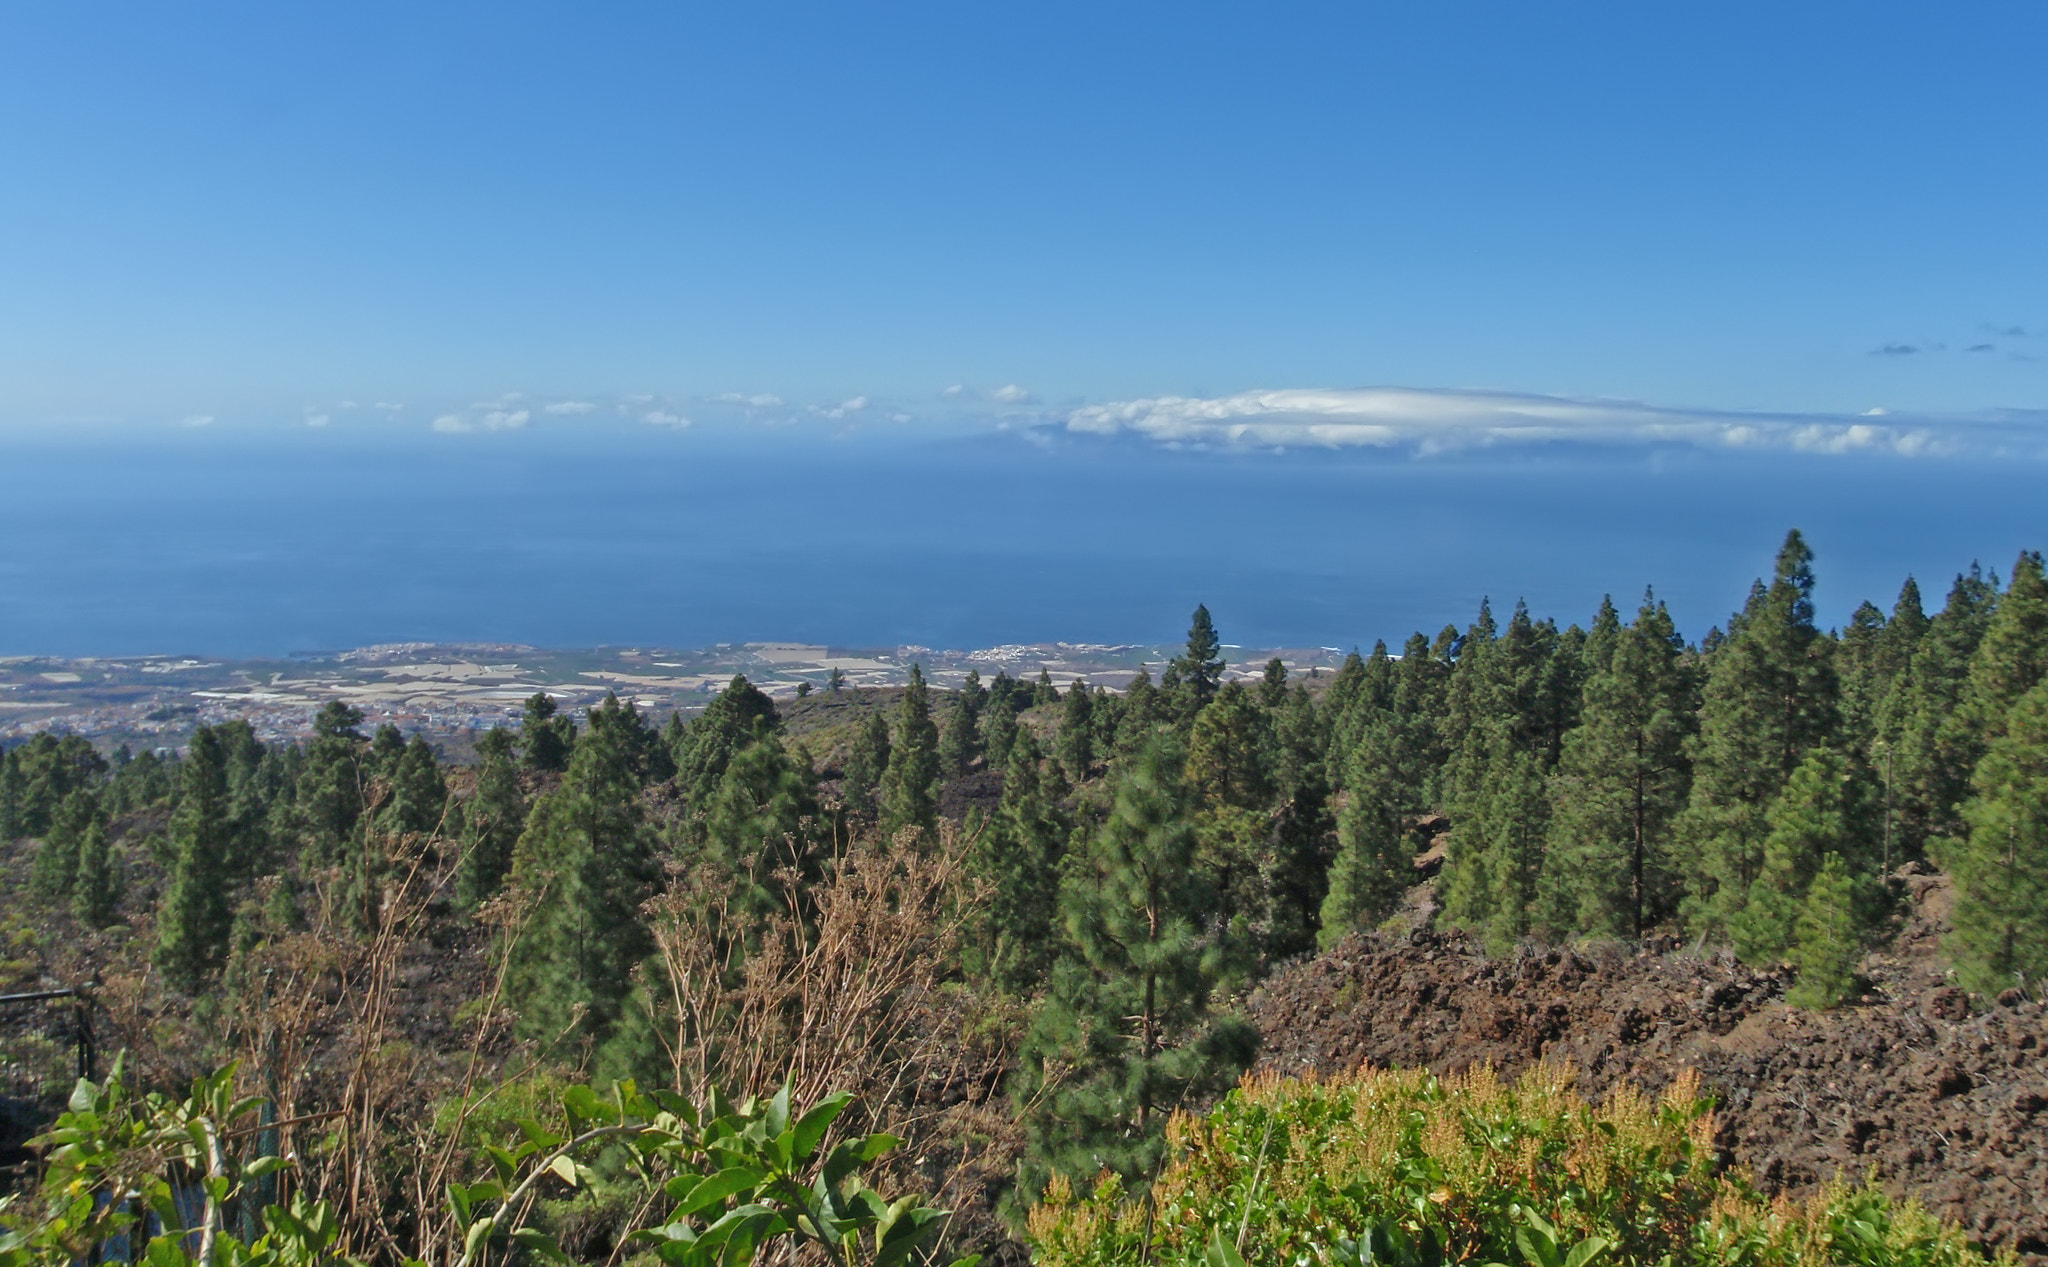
663 418
492 420
317 420
1010 394
196 420
1430 421
956 390
850 405
759 400
389 406
571 407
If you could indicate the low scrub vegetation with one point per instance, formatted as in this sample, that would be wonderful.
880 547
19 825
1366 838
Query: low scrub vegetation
1406 1168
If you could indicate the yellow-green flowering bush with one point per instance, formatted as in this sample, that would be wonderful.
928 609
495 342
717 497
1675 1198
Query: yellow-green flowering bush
1407 1168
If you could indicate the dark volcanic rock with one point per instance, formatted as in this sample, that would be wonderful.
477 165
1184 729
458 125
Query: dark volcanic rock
1941 1103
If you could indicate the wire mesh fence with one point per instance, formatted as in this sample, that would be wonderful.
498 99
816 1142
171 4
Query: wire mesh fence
46 1045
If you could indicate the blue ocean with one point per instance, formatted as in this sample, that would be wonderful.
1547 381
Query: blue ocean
268 544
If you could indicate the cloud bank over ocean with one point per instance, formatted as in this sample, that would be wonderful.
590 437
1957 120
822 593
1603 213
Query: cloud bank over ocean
1415 422
1429 421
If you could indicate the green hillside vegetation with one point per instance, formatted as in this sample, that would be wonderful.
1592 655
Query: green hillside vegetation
1406 1169
1017 921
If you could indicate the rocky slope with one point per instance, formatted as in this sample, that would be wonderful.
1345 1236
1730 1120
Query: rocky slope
1937 1101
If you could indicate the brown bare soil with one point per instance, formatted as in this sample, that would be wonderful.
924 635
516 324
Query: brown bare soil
1912 1086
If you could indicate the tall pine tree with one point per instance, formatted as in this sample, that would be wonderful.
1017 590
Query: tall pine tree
196 913
1129 1031
1925 756
909 784
868 757
492 820
1828 809
1199 668
584 864
2001 867
1075 741
1622 782
1770 697
1019 854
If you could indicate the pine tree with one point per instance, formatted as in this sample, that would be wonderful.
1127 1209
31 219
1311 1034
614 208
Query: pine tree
330 791
387 748
419 791
11 781
1622 782
1138 719
1927 772
1858 663
1375 860
1019 855
738 717
1127 1032
1201 664
196 915
46 770
1075 741
546 738
1232 794
1273 685
1602 639
763 822
96 893
646 751
998 731
908 784
1043 691
960 737
56 865
1770 697
1387 751
2001 866
869 758
1296 871
584 863
1300 744
1227 752
1828 941
1501 730
1829 808
1497 848
2009 662
492 820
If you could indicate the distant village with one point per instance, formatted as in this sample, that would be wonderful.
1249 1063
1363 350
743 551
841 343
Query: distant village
450 691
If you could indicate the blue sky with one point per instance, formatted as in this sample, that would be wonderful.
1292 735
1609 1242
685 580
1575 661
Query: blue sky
264 215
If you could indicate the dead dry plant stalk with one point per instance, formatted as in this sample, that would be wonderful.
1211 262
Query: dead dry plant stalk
360 1171
834 991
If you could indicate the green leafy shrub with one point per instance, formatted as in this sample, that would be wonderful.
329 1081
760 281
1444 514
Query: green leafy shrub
1408 1168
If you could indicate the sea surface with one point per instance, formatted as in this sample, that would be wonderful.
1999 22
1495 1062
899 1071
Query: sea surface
270 544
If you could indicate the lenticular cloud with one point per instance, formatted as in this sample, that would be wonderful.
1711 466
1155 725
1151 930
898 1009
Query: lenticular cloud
1431 421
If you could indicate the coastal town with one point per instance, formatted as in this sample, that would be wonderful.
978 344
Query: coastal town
448 692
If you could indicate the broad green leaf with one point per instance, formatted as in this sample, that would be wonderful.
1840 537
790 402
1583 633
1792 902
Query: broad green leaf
811 1127
479 1232
716 1188
540 1243
1591 1250
1221 1253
